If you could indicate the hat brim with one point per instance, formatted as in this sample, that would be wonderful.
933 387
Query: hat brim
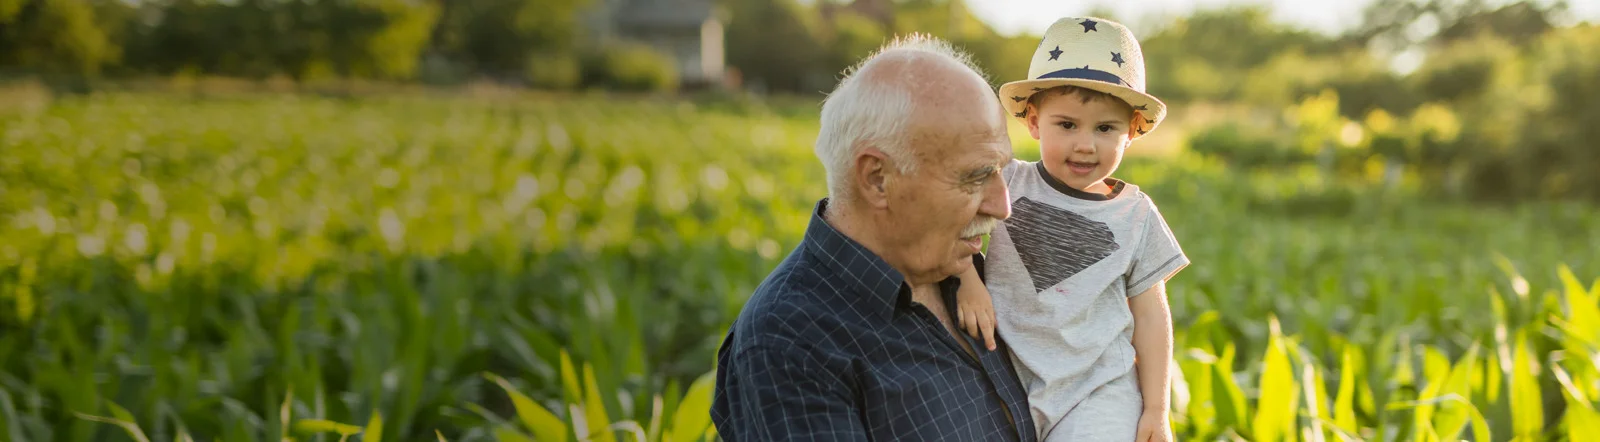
1014 97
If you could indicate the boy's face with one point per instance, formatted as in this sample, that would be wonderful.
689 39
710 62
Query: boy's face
1080 143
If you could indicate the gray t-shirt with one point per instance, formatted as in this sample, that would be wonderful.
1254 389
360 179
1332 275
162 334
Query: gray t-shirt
1061 270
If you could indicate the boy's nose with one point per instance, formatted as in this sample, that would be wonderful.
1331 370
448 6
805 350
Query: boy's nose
1083 144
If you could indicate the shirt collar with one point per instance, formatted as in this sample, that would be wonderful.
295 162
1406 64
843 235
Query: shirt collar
1115 184
882 287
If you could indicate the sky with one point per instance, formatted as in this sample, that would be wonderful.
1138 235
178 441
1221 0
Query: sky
1011 17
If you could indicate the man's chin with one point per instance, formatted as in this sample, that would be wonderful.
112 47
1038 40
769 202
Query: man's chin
960 265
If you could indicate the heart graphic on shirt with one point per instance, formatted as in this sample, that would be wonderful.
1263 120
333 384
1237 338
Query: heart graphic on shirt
1055 244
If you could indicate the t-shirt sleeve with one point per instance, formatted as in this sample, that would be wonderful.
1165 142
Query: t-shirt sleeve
1158 257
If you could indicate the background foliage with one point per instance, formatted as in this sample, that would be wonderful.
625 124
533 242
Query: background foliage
247 220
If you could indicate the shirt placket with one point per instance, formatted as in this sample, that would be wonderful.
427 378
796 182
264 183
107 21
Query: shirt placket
930 323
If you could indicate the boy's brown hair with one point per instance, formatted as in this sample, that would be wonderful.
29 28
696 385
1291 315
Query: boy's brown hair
1136 119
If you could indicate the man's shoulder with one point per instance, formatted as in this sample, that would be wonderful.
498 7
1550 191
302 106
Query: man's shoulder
792 305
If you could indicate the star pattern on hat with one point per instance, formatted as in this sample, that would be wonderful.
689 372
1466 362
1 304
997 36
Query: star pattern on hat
1018 99
1141 107
1055 53
1088 25
1116 57
1020 114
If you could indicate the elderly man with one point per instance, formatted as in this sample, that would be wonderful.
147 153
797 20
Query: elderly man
851 337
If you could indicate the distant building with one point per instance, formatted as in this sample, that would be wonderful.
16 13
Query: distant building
689 32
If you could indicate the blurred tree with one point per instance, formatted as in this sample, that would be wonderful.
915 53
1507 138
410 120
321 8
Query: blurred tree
854 37
500 37
1393 25
1207 55
775 45
53 36
306 40
1001 59
1521 23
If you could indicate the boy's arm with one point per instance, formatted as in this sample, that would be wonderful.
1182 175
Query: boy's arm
1152 348
974 307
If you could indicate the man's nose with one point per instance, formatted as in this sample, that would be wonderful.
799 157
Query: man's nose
996 200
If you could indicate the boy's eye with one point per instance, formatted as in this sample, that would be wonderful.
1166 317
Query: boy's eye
1104 128
1068 125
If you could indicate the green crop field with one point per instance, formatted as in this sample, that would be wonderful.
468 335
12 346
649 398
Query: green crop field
253 268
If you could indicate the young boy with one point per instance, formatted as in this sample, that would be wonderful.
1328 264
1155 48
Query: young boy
1078 271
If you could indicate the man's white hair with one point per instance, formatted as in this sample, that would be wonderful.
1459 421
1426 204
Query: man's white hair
873 109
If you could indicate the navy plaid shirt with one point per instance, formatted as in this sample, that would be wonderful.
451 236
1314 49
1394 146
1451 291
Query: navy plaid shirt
831 347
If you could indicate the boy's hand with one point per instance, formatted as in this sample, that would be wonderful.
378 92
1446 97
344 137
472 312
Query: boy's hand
1153 427
975 310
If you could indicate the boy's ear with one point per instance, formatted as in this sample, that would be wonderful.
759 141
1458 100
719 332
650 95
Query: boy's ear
1033 120
1136 125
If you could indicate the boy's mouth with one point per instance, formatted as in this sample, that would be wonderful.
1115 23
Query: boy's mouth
1081 168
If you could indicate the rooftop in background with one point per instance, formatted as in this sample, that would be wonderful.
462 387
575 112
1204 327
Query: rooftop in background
1012 17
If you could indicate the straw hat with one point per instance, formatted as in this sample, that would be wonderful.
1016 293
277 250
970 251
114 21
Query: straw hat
1092 53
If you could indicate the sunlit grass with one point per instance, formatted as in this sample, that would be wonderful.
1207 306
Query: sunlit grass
454 263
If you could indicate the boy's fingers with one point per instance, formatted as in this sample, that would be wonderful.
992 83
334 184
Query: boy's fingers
1144 434
987 322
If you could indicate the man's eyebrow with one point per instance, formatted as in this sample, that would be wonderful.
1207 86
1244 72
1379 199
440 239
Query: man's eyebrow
981 172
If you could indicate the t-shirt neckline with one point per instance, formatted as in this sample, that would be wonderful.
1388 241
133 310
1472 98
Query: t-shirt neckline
1116 186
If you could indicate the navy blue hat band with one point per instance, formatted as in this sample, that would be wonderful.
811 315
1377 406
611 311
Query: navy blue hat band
1086 74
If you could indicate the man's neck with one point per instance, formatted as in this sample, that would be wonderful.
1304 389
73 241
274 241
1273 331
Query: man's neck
861 228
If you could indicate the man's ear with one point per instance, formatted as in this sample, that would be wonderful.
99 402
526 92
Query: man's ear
871 173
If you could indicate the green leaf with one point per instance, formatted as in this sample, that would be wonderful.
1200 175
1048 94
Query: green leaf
569 379
1582 321
657 410
1451 417
1436 369
545 425
1316 400
1231 409
283 412
1493 375
304 426
694 413
1202 409
128 426
595 410
1480 426
1582 422
1275 410
374 431
507 434
1527 410
1344 413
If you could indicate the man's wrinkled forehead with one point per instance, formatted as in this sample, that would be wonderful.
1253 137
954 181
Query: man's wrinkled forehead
964 132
